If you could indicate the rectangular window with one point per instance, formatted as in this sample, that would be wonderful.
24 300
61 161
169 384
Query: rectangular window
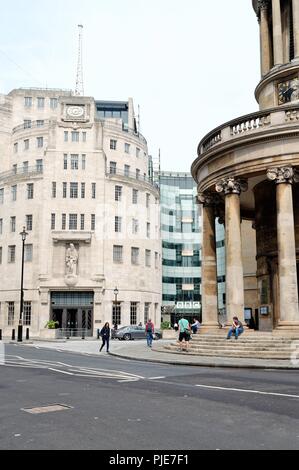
0 254
73 222
75 162
135 256
54 190
53 221
75 136
118 254
82 222
118 224
148 230
12 254
93 190
40 142
113 166
53 103
116 314
14 190
1 195
118 193
39 165
40 123
40 102
65 161
1 226
127 148
137 174
15 168
84 136
148 200
113 144
28 253
83 162
11 314
12 224
27 313
64 190
26 144
93 222
29 222
127 170
74 191
30 191
156 260
82 190
147 307
25 167
28 101
135 196
66 136
133 314
135 226
137 152
63 222
15 147
27 124
148 256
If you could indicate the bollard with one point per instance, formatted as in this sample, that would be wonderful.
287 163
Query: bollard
83 334
13 335
27 334
99 334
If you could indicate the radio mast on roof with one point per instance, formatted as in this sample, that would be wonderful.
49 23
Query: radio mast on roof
79 90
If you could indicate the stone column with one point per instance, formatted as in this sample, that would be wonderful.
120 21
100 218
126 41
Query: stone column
209 286
288 287
265 37
277 32
232 189
296 27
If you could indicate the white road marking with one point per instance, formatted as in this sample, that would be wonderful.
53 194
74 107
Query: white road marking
156 378
60 371
257 392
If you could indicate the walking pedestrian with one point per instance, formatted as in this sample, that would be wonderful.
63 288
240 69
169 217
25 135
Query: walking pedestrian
185 334
150 331
105 334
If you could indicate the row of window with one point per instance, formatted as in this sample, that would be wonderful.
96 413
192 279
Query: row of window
127 148
74 190
13 224
73 161
11 317
126 171
75 222
135 196
117 313
118 224
11 254
118 256
26 144
29 192
40 102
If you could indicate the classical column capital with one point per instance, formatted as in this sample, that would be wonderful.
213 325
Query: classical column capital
263 4
231 186
280 175
208 198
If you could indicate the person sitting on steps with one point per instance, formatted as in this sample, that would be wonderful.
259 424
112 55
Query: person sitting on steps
237 329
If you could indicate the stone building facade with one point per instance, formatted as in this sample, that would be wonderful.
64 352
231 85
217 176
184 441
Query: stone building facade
247 169
74 173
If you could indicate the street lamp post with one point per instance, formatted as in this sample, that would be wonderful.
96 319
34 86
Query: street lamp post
20 327
116 292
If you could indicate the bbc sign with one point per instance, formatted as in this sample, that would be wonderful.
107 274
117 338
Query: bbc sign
188 305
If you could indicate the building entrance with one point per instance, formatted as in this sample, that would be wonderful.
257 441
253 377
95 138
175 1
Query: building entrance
73 311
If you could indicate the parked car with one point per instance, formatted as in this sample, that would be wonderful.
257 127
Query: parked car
130 333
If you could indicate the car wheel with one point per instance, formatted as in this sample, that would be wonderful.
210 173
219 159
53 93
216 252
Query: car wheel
127 337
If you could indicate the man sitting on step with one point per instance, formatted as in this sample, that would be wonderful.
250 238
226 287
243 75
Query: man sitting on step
237 329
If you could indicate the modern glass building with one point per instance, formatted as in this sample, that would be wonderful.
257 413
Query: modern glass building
181 226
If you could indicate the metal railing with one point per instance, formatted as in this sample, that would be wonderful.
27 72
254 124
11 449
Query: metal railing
132 176
69 333
31 125
22 172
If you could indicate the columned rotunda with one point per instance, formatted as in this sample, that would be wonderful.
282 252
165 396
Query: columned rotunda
247 170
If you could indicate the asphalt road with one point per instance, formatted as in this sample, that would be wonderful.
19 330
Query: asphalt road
116 404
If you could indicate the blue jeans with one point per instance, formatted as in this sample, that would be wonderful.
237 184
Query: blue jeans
149 338
236 332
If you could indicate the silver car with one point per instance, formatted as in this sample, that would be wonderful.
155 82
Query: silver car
130 333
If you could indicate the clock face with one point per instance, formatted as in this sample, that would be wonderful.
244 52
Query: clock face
285 91
75 111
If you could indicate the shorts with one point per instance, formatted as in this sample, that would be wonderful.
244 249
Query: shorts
184 336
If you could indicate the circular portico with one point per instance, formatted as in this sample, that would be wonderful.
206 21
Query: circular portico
247 170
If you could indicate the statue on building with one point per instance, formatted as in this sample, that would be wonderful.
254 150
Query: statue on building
72 257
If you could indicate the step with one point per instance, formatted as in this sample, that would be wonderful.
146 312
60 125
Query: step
235 354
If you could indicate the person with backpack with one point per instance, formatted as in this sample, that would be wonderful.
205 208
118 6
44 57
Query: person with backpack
150 331
105 334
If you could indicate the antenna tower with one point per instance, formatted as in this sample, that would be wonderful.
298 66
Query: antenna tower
79 90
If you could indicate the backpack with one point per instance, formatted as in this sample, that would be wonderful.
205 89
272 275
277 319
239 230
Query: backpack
149 328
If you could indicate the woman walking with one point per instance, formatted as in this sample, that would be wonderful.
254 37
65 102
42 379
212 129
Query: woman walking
105 334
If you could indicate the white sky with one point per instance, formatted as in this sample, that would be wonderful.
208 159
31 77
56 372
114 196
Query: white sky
190 65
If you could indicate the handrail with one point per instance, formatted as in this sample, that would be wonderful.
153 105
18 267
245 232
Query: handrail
29 171
132 176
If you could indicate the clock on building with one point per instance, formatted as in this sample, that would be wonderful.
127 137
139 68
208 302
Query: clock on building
288 91
75 112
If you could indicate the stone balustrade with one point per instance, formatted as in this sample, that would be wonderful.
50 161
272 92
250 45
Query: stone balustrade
252 124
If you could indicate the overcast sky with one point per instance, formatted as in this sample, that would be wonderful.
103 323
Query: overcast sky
190 65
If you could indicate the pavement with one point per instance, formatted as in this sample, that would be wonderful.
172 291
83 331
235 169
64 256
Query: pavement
138 351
